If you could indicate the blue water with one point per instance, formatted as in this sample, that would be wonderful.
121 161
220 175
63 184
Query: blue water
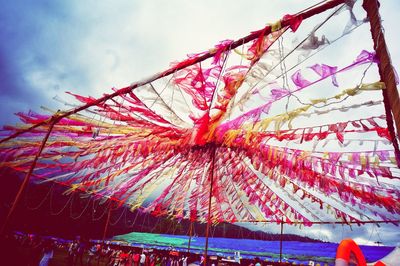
293 251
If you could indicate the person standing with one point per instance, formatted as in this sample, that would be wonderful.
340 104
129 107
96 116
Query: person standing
47 254
93 251
72 249
184 260
142 259
136 259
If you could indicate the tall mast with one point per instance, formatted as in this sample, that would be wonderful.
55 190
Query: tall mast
390 94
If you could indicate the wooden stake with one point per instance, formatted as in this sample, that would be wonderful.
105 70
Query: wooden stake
27 176
190 235
209 203
107 222
104 232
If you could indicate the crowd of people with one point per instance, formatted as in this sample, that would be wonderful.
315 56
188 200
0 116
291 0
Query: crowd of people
115 255
26 250
31 250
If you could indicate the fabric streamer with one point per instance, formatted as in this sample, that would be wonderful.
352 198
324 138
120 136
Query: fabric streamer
283 149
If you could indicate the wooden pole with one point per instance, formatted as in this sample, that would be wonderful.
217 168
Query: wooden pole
27 176
190 235
209 203
390 94
107 223
321 222
104 233
280 244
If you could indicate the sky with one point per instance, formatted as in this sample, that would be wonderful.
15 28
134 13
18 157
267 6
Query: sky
88 47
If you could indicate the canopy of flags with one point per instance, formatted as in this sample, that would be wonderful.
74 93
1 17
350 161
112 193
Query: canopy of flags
252 125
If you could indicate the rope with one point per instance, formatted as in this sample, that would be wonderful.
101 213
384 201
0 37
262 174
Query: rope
119 218
40 203
62 209
95 210
134 221
83 211
294 49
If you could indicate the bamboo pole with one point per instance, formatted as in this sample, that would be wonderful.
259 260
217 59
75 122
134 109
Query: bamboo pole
254 35
390 94
105 232
28 175
209 203
190 235
107 223
280 243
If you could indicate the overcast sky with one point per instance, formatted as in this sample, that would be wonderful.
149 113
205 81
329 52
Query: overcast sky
88 47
